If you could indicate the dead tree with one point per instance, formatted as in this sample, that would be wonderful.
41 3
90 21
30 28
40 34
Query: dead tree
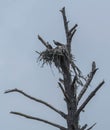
72 79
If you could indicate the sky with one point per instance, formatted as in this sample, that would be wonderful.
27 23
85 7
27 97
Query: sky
20 23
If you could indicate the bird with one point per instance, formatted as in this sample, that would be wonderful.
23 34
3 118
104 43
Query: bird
57 43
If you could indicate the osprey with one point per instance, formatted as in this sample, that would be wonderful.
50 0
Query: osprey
57 43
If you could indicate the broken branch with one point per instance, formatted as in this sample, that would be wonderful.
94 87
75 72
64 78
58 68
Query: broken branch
65 21
46 44
88 81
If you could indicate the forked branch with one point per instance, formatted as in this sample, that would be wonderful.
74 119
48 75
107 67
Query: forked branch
37 100
38 119
69 32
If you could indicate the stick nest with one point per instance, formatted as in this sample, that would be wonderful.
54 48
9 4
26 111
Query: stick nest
59 56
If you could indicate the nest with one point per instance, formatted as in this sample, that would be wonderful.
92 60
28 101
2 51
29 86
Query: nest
59 56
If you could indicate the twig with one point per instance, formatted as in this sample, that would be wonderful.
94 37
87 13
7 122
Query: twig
61 80
72 32
37 100
71 36
73 28
74 87
91 126
38 119
65 95
89 98
88 81
84 127
37 52
75 69
74 81
46 44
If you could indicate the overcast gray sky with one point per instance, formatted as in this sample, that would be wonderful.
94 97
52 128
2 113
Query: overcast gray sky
20 23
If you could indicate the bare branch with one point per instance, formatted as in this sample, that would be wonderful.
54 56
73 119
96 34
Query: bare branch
61 87
74 87
75 69
89 98
91 126
46 44
74 81
38 119
65 95
71 36
66 29
88 81
37 52
69 33
61 80
65 22
37 100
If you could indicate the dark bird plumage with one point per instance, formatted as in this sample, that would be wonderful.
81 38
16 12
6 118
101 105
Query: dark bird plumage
57 43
